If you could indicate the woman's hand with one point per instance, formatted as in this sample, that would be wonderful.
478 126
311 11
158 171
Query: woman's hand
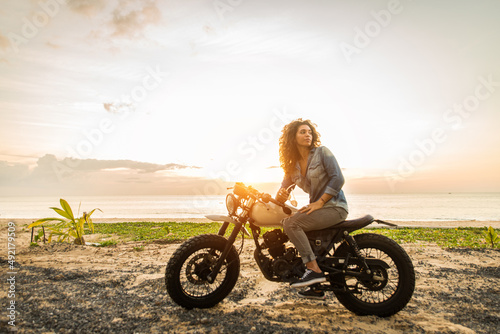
312 207
282 196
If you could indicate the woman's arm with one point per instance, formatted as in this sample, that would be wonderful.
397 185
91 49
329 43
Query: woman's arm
283 194
332 168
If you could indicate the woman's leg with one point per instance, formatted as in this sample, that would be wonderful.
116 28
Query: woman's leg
296 226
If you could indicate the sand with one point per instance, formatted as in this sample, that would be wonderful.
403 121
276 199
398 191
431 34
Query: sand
63 288
436 224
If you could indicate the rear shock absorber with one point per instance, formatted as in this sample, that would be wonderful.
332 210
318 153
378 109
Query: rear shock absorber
354 246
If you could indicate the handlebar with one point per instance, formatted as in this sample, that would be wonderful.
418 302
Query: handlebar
268 198
241 190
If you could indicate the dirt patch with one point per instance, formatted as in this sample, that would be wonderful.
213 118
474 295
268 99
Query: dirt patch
65 288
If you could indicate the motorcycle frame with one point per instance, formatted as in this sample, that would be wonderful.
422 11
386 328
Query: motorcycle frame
329 264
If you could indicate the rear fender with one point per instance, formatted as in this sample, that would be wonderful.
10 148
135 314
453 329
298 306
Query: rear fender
377 262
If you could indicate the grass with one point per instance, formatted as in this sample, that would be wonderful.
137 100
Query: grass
171 232
468 237
107 243
148 231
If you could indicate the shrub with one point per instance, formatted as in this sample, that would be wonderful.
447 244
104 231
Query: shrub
67 228
491 237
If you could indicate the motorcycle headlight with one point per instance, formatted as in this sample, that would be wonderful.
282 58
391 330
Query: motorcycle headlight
231 204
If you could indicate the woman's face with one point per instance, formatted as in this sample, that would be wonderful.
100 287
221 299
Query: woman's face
304 136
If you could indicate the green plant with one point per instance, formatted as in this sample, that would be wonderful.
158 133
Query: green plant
491 236
139 248
39 235
166 231
67 228
34 244
107 243
469 237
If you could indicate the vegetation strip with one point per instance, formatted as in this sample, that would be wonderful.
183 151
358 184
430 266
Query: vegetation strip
469 237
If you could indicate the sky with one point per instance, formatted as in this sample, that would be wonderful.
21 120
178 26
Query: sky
186 97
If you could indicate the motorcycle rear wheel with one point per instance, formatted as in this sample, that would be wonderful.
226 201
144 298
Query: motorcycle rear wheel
395 286
188 268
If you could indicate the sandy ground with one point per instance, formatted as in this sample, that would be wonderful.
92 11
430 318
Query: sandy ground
64 288
442 224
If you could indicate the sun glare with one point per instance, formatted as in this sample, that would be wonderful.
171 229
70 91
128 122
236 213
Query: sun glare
268 175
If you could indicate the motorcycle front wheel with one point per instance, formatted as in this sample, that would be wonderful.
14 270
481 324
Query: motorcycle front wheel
188 268
391 288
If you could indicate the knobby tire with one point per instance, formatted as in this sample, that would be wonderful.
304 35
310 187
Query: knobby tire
194 259
400 289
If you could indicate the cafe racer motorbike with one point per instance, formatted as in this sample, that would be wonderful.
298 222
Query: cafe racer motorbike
370 274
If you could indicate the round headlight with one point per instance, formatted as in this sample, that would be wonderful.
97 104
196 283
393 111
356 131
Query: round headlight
231 204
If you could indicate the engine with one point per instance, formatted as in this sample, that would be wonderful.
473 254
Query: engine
275 241
283 264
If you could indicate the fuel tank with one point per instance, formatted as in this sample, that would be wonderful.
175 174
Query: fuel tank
269 214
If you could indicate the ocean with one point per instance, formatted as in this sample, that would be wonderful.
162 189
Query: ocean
390 207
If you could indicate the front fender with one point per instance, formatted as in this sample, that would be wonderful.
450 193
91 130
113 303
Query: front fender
222 218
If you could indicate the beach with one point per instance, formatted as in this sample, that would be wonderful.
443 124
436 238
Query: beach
431 224
65 288
409 223
149 116
434 208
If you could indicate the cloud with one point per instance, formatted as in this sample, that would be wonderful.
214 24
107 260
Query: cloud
52 45
4 42
48 161
96 177
126 19
11 173
131 22
87 7
119 107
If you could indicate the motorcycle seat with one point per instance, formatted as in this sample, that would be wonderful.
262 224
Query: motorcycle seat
346 225
322 239
354 224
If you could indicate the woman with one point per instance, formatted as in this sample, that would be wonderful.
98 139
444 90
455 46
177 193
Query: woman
315 170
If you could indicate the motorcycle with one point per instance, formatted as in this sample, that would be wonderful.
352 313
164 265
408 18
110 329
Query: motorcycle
370 274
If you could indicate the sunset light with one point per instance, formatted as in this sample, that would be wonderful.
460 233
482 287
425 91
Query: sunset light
250 166
405 94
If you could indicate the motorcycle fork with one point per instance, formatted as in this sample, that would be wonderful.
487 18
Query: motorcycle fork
223 228
230 241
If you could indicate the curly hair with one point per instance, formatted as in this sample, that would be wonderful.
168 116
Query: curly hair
289 154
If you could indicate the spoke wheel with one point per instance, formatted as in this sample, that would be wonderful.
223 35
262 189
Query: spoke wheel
186 275
389 289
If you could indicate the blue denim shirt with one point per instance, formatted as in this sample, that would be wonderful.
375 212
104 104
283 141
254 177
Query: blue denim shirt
323 175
